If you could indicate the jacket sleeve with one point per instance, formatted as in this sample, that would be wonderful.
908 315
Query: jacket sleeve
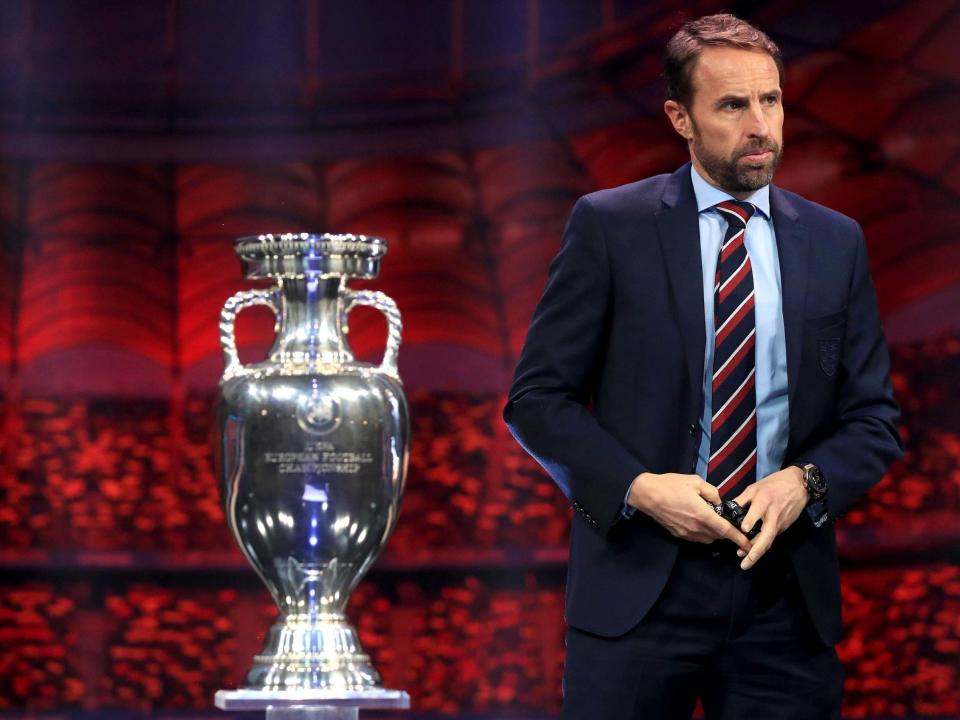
547 406
867 439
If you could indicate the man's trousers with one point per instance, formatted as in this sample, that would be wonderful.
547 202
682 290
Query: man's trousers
740 641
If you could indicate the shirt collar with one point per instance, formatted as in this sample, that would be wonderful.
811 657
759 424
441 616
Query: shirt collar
708 195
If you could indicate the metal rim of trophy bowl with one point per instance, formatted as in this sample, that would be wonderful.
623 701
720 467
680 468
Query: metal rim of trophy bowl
290 255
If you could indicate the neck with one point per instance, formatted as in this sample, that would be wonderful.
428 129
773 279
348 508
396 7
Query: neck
311 324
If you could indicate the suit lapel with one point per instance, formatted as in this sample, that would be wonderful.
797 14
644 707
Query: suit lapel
793 246
679 232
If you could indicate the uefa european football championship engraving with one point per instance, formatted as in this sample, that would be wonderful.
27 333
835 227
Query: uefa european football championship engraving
312 450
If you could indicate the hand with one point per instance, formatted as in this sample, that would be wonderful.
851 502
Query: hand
677 502
778 500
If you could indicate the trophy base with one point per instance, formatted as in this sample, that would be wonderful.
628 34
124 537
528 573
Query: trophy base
312 704
320 652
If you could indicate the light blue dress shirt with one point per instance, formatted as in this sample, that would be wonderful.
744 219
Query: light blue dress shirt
773 411
771 344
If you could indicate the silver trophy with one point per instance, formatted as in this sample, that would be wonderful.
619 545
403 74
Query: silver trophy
312 449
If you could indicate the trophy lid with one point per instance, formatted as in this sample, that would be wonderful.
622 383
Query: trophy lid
301 254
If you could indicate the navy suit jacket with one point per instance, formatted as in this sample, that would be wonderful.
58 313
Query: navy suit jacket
609 384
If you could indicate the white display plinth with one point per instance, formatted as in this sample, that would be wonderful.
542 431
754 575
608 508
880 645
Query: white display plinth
311 704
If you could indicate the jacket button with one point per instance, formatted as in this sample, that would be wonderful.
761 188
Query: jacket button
692 430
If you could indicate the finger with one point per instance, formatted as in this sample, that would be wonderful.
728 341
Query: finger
724 529
761 543
756 511
746 497
709 492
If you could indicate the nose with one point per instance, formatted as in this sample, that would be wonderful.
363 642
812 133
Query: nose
757 122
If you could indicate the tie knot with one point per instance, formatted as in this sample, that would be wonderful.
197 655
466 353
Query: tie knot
737 213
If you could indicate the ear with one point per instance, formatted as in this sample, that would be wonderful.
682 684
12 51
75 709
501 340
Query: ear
680 119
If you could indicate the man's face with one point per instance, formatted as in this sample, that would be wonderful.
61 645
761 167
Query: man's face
734 125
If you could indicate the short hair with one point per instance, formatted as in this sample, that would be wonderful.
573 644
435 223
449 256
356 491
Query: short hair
722 29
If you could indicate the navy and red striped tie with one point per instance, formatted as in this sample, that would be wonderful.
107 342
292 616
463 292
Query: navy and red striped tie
733 428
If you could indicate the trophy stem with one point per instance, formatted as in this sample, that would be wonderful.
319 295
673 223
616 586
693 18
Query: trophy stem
313 712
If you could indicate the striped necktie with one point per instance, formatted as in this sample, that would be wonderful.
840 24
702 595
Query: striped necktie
733 428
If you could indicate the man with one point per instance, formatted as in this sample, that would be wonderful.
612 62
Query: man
705 337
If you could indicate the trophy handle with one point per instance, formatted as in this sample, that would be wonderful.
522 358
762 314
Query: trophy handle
228 316
385 304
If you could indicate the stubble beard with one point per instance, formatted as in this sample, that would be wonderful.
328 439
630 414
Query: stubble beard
733 175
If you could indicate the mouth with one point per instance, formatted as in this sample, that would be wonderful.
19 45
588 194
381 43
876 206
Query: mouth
758 157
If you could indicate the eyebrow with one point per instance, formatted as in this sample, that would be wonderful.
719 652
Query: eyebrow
745 99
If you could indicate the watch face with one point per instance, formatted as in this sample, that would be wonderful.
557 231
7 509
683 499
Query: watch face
814 479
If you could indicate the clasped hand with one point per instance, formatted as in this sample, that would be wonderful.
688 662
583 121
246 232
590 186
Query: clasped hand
676 501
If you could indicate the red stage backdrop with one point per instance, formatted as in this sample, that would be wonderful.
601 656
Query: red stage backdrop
120 587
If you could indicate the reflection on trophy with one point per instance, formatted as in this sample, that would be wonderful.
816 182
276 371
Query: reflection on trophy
312 450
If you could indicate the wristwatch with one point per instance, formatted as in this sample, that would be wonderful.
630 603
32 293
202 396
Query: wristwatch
813 481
